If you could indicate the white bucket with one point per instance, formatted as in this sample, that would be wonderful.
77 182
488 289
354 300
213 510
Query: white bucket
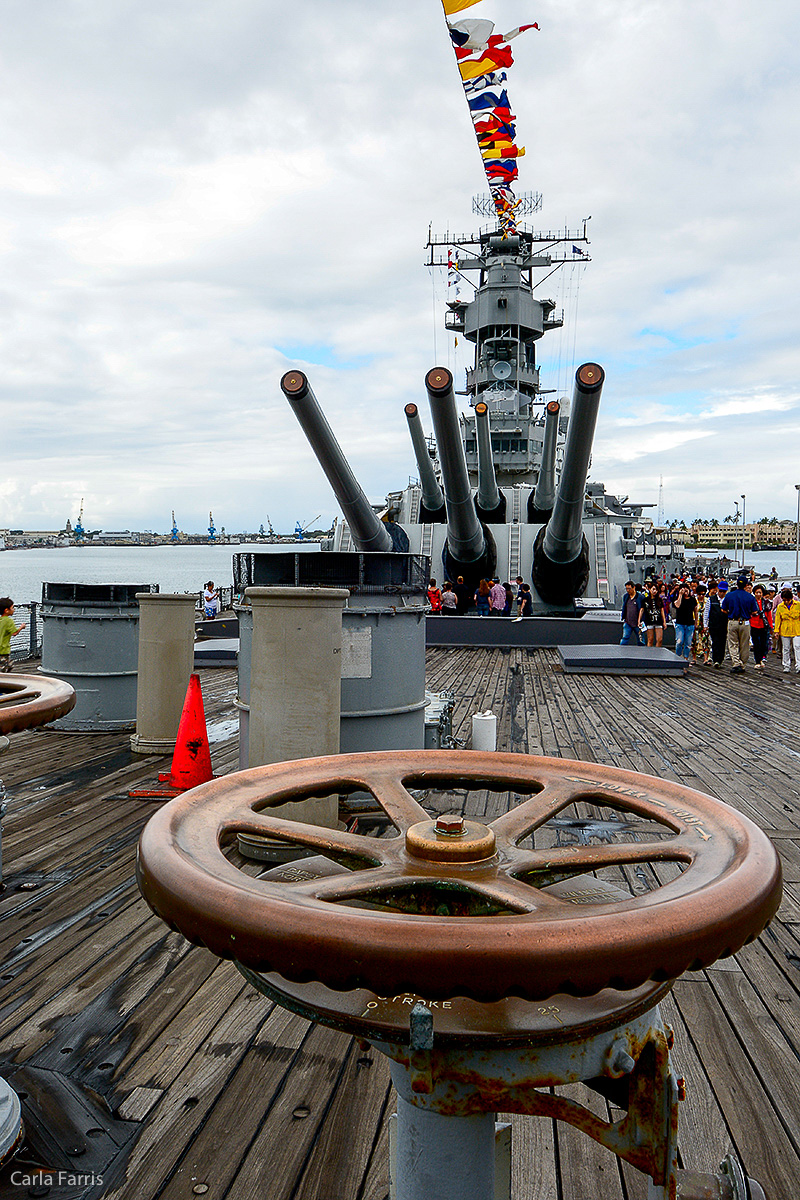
484 731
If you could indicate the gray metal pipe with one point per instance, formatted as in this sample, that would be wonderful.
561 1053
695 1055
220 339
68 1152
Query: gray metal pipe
544 496
488 491
465 538
563 539
432 496
367 531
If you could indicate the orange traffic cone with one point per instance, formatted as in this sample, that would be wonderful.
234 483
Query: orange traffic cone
191 759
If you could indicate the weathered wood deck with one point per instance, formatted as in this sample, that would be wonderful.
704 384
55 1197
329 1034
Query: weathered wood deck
152 1065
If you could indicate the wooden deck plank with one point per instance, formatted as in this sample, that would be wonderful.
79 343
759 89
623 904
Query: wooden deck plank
215 1155
179 1042
586 1168
341 1154
276 1158
185 1106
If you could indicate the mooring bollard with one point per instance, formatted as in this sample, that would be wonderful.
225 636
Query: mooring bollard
295 683
166 660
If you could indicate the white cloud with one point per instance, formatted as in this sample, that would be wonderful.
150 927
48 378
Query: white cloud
188 188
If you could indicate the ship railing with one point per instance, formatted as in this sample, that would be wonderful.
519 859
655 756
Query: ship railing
27 644
227 597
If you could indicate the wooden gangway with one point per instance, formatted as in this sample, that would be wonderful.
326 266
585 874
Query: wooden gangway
154 1067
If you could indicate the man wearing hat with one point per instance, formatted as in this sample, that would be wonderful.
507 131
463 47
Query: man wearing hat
739 605
716 621
787 625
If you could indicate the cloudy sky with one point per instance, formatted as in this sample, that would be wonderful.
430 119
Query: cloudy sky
196 195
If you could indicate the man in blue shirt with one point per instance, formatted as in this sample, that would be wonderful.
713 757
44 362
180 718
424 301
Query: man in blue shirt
631 608
739 605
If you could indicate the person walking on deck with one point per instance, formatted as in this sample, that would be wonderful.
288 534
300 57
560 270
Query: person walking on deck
652 616
760 624
701 646
740 606
210 601
518 593
525 601
449 600
497 598
787 625
684 615
631 609
463 596
8 628
482 593
715 621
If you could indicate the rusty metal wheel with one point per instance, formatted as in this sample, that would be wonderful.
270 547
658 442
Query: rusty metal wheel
511 938
30 700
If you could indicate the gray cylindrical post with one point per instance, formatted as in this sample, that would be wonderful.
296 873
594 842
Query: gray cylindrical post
166 660
439 1157
295 683
245 614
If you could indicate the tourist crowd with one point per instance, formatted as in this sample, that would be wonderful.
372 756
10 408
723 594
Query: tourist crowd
490 598
712 618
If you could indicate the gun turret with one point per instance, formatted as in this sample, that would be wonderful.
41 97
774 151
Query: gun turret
541 501
561 552
469 550
432 508
367 531
490 501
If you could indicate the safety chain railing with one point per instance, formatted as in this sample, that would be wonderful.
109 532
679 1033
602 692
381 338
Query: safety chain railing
27 643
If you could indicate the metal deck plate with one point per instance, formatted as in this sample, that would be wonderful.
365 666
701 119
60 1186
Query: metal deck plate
620 660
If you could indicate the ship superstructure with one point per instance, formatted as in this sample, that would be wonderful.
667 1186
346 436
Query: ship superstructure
504 462
503 487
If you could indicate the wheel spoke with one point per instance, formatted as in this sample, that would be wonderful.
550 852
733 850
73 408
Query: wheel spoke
531 814
517 895
349 885
590 858
396 801
313 837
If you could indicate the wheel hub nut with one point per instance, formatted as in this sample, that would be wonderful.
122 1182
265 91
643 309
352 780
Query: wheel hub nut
451 824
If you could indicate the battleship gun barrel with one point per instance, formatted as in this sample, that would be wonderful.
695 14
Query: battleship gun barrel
489 500
465 540
562 540
544 496
368 532
432 497
561 552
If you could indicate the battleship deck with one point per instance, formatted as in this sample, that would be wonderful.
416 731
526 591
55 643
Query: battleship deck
164 1073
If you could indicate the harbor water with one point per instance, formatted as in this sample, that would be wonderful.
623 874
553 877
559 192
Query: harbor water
186 568
173 568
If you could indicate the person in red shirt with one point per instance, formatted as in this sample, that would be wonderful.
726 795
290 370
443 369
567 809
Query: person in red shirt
434 597
760 626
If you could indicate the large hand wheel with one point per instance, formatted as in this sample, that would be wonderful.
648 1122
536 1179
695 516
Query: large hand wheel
482 928
30 700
